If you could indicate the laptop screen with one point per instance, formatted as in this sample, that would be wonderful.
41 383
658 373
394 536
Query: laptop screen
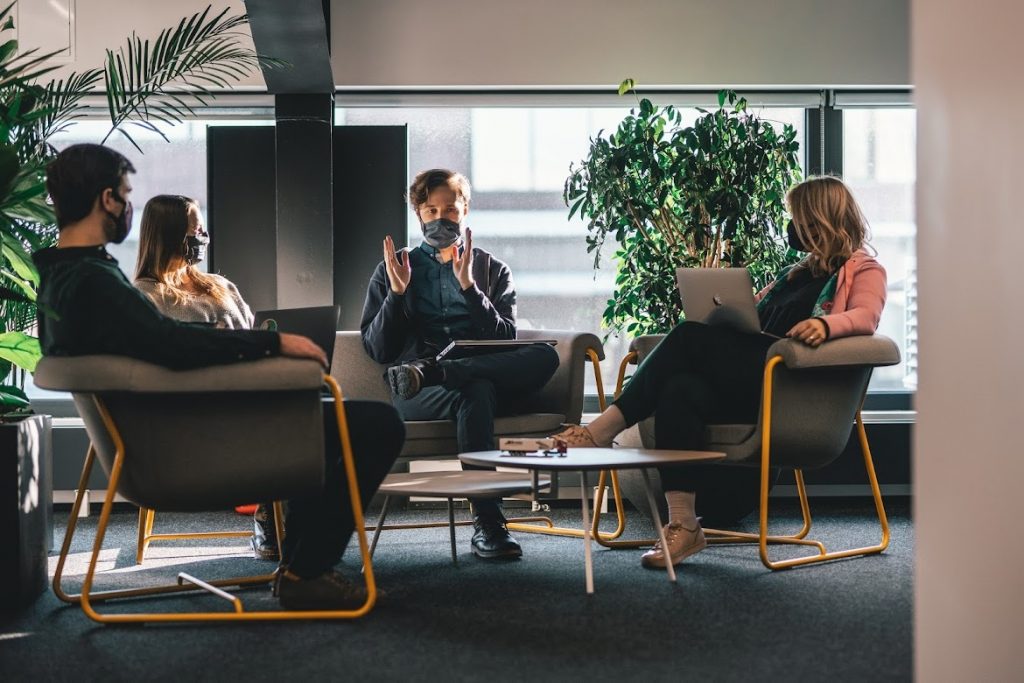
319 323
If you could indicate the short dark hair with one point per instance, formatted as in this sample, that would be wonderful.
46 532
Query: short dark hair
78 175
426 182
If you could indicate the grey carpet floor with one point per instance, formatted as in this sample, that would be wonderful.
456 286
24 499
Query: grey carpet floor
727 619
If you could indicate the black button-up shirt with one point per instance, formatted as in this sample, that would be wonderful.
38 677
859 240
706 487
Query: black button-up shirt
87 306
437 299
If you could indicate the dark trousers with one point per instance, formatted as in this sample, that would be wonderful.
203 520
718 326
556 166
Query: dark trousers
317 528
476 390
698 375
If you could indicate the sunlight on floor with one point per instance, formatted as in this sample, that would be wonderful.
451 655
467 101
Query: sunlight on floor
78 563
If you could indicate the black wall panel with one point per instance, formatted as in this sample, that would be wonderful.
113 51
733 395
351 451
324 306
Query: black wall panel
370 179
242 210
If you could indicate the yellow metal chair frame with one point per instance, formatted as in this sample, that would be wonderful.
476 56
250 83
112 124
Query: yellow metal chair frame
146 535
186 582
762 538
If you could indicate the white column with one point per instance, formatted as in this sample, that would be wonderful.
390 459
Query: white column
968 62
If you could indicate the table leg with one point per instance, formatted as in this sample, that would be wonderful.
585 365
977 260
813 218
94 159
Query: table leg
588 560
451 529
380 524
657 523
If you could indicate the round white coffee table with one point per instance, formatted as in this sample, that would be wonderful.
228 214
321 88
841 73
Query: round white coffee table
585 460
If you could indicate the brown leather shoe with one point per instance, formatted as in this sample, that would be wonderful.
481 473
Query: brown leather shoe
682 543
329 591
576 435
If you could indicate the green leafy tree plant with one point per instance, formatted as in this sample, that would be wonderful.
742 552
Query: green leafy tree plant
148 84
708 195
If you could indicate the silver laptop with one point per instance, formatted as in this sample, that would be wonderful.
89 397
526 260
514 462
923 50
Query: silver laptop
719 296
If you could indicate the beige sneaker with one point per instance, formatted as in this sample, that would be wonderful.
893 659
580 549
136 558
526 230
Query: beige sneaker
575 435
682 543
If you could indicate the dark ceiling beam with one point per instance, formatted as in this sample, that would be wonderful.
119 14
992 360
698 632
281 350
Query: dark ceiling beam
297 32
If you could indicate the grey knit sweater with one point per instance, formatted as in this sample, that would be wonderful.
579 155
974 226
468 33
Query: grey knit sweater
233 314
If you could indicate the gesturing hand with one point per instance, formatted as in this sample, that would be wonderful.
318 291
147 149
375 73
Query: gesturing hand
462 266
810 332
398 267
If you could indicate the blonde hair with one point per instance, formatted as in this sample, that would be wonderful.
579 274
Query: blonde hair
162 251
828 221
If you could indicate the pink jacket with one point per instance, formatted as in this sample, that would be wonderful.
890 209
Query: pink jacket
859 298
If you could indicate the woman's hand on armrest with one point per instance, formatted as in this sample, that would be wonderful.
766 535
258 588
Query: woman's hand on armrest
297 346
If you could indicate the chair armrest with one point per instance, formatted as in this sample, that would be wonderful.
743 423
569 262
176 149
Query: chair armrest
570 344
563 394
643 345
121 373
874 350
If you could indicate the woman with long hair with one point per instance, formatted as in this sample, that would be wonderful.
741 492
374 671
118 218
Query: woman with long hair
172 244
700 374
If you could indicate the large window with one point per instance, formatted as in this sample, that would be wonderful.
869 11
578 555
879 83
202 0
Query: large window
879 165
518 159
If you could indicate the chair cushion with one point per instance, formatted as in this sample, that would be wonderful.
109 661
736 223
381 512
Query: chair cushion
438 438
120 373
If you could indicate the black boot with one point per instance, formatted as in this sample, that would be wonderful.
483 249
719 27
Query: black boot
407 380
264 534
491 539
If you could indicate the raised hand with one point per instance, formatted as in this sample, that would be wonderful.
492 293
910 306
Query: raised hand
462 266
398 267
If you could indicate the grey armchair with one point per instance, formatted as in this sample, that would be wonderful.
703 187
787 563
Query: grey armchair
559 402
198 440
811 399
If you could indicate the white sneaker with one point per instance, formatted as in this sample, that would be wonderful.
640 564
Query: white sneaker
682 543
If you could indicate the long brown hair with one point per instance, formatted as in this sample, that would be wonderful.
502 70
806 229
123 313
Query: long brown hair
162 250
828 221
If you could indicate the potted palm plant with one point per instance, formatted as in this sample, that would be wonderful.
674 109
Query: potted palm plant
152 84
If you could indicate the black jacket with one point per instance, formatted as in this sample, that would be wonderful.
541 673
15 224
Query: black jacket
87 306
392 333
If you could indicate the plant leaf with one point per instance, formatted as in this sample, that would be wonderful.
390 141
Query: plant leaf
21 349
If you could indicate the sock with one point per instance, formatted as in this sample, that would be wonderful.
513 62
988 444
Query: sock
681 508
606 426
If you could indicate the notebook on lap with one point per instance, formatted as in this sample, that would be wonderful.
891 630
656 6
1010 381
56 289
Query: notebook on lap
319 323
719 296
468 347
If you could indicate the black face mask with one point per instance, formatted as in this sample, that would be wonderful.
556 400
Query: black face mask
441 233
122 223
794 239
195 249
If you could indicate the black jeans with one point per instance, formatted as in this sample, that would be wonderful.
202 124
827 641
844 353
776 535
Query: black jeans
476 390
317 528
698 375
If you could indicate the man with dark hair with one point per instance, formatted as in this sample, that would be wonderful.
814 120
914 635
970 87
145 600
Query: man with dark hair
87 306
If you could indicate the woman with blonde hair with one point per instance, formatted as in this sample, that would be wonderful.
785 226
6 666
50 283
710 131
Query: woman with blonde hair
172 243
701 374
